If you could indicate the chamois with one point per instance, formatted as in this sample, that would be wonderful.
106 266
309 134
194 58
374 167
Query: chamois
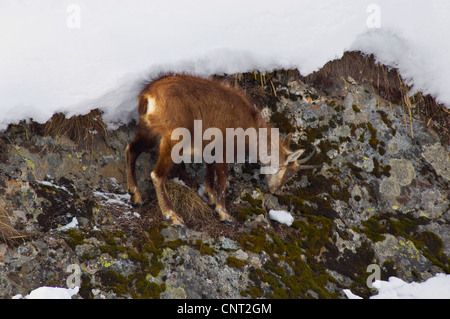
177 101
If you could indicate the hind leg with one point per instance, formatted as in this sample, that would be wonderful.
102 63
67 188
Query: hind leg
141 143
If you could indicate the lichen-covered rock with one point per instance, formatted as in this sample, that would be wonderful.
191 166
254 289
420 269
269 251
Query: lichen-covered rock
439 158
381 197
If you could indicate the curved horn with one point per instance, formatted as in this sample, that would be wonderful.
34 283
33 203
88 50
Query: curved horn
303 160
294 156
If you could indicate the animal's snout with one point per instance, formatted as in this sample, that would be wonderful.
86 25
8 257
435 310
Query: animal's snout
275 190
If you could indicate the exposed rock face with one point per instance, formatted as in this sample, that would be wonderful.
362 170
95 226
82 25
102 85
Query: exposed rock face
381 197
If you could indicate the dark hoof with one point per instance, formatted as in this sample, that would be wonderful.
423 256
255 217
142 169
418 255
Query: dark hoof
137 204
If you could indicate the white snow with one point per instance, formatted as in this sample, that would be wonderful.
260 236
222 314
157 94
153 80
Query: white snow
437 287
178 181
72 224
72 56
114 199
281 216
201 192
47 183
351 295
50 293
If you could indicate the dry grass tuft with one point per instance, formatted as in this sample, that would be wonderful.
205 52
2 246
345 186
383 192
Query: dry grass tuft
363 69
390 85
187 203
79 128
8 234
196 213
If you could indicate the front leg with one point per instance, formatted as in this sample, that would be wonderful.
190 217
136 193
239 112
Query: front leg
209 184
159 175
222 177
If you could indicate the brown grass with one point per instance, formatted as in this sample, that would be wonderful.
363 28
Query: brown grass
186 202
8 234
197 214
82 129
390 85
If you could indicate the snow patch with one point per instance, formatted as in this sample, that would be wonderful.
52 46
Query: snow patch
437 287
114 199
281 216
50 293
49 65
178 181
72 224
50 184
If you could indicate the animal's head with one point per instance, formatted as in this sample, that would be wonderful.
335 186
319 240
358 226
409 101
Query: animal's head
289 165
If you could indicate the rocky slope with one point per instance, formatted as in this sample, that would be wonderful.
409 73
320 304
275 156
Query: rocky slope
380 200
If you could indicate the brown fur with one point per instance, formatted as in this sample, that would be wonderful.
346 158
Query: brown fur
178 101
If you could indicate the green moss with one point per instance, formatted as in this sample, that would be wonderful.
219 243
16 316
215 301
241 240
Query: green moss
380 171
254 207
145 254
273 267
386 121
308 200
313 134
310 281
203 248
246 212
255 242
374 230
356 109
313 96
145 289
235 262
311 235
86 287
156 266
256 292
315 233
113 251
388 269
114 281
174 244
252 201
356 171
406 226
432 248
111 238
431 242
339 108
155 244
74 238
373 141
281 121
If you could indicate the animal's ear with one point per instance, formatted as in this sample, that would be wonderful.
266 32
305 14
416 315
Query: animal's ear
287 141
294 156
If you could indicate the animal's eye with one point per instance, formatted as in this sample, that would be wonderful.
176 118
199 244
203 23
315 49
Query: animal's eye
289 174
